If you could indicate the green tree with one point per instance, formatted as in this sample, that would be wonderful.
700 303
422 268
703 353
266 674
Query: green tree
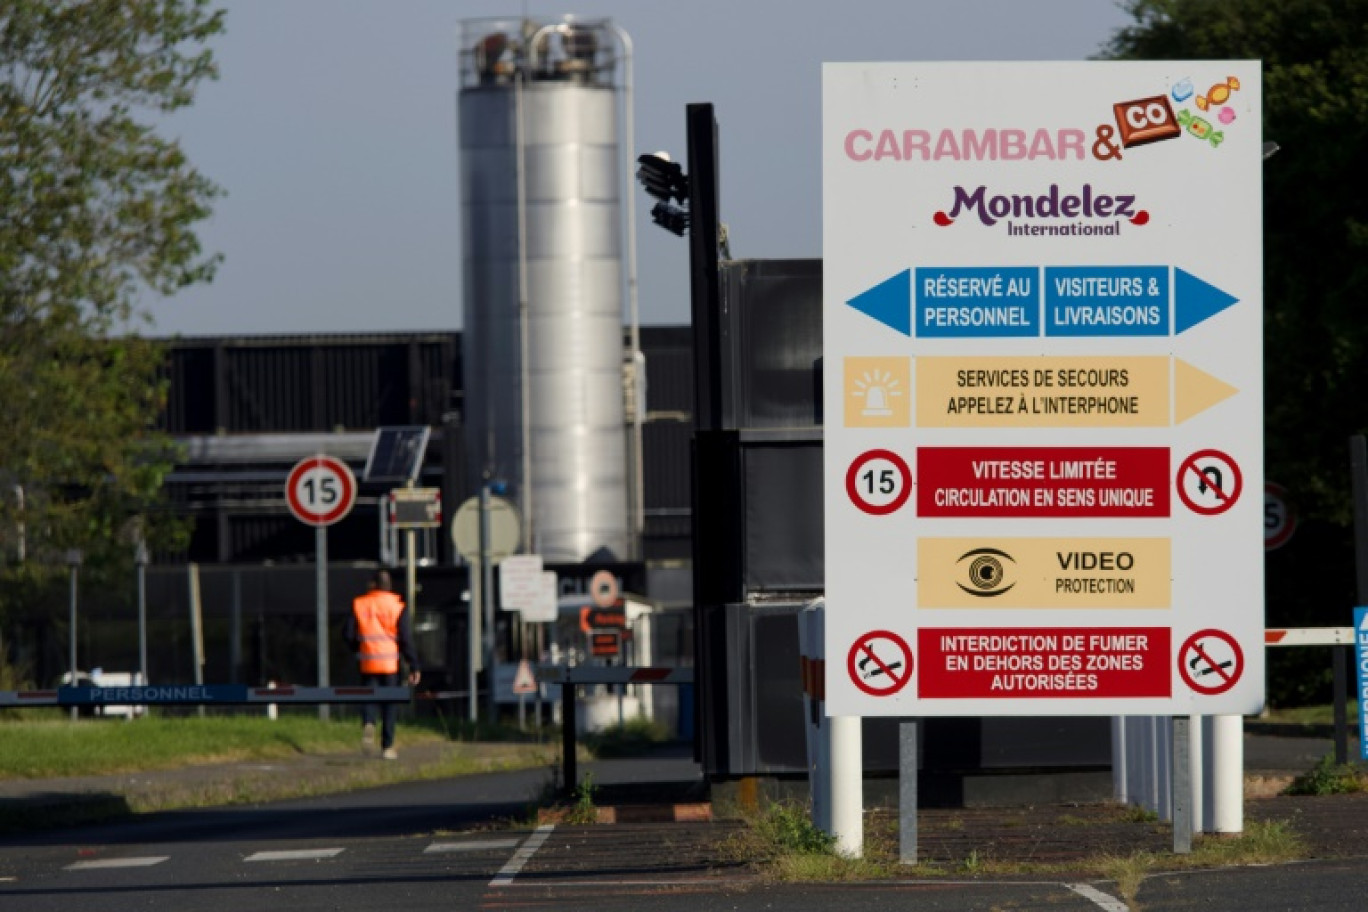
96 209
1315 106
1315 83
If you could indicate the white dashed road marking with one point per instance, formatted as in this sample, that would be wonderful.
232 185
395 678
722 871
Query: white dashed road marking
99 863
1101 900
295 855
522 856
480 845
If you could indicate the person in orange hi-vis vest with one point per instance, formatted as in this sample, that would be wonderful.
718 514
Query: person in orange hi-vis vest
380 632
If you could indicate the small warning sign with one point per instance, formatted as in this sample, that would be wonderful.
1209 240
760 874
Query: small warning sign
524 682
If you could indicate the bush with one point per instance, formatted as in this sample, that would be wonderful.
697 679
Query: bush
786 827
1328 778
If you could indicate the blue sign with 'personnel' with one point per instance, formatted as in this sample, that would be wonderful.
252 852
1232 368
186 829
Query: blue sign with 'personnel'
960 302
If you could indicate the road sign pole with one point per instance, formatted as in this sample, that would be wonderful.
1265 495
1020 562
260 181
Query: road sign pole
411 571
320 490
1196 766
473 642
74 563
141 558
487 593
537 700
1227 761
321 609
1182 785
847 785
907 792
196 629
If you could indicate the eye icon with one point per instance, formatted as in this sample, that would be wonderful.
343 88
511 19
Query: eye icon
986 571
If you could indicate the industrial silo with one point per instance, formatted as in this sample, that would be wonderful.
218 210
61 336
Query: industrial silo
544 279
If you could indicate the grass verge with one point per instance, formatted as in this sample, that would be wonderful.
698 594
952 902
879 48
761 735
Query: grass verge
217 761
95 747
781 843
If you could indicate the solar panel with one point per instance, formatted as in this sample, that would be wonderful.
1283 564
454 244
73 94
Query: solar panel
397 453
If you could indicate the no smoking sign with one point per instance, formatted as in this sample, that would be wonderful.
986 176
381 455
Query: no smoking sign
1210 662
880 663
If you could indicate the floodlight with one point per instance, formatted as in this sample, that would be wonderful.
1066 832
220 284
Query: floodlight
662 178
671 218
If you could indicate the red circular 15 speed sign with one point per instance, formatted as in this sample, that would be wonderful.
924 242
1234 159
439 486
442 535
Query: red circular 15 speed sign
879 482
320 490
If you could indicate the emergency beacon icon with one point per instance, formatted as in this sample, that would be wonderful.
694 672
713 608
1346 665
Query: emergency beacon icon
877 392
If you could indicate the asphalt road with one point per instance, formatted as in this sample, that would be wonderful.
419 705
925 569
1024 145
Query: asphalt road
432 845
556 868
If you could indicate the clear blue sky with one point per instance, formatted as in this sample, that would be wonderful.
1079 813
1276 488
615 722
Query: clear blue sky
332 129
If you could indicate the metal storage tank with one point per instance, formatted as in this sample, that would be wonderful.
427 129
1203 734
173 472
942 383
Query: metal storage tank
540 181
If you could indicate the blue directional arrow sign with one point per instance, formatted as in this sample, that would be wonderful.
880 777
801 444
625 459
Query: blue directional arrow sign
1071 301
1127 301
889 302
1195 300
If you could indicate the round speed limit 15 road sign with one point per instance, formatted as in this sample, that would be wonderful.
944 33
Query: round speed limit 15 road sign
879 482
320 490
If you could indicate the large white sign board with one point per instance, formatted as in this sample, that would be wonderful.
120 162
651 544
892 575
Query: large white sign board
1043 388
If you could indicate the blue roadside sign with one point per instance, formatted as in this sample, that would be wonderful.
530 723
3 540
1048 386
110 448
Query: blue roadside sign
200 695
1361 663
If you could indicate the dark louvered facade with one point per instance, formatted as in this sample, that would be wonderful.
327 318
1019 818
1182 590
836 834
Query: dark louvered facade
293 384
248 407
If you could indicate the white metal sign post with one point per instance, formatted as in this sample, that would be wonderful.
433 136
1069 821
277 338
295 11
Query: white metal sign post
1043 388
485 530
321 490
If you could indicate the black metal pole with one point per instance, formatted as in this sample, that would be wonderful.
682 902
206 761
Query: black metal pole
704 294
570 772
1358 484
1358 478
703 256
